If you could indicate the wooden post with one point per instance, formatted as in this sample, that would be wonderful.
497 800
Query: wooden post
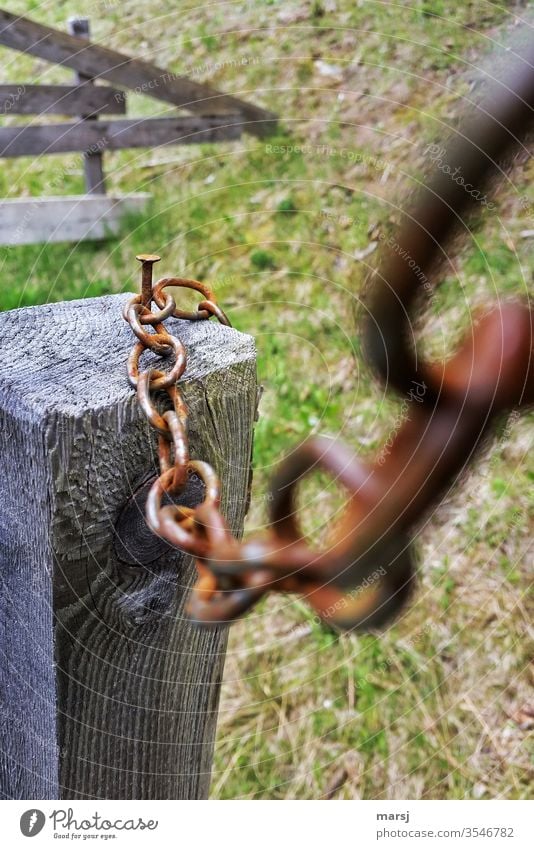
93 160
106 690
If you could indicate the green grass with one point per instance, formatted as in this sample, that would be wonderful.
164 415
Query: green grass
426 709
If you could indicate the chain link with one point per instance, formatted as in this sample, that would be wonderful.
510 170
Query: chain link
366 572
371 552
231 576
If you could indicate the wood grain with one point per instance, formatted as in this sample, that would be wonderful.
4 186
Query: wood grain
137 685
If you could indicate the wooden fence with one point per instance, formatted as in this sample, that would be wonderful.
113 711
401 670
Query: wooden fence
216 117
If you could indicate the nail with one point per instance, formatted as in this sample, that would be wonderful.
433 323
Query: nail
147 261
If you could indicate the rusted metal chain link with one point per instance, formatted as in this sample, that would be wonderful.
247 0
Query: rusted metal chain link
365 573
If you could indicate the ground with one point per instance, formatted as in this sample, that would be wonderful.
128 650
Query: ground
440 705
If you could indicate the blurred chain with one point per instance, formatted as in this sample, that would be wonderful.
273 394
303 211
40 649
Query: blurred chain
366 571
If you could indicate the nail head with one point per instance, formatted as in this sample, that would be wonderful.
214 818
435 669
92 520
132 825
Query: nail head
148 258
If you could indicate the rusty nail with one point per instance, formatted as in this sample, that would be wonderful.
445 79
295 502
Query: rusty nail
147 261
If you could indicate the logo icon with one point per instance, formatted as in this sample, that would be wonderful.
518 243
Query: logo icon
32 822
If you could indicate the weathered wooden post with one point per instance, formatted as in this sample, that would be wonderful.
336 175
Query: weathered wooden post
92 160
106 690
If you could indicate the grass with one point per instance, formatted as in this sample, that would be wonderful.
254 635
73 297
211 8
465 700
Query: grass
426 709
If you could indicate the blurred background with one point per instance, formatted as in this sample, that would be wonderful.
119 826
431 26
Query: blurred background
285 230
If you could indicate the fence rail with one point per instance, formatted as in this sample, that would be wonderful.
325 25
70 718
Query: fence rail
61 100
116 135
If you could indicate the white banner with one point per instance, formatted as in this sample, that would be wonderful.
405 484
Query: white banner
257 825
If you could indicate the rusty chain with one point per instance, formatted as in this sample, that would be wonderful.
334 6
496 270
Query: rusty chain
366 571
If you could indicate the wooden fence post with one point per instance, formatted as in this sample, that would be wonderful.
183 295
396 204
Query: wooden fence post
93 160
106 690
